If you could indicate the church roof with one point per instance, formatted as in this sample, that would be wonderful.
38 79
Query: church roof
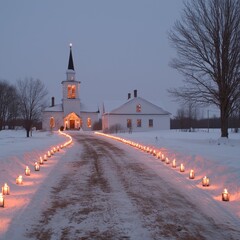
88 108
129 107
83 107
70 61
55 108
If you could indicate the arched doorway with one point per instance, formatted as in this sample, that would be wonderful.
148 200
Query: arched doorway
72 121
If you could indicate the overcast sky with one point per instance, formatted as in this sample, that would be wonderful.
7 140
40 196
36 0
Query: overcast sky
118 46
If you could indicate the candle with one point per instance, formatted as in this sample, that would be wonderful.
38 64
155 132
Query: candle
154 152
174 163
36 166
182 169
45 157
205 181
167 160
191 174
41 160
1 200
27 171
19 179
163 157
5 189
225 195
49 154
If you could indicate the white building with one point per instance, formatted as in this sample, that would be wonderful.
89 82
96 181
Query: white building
71 113
137 114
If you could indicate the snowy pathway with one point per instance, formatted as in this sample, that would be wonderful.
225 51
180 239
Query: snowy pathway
103 191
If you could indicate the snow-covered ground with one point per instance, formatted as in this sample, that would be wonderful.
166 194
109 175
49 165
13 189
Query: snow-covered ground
16 153
204 152
208 155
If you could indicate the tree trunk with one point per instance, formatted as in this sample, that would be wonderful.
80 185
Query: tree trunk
28 131
224 123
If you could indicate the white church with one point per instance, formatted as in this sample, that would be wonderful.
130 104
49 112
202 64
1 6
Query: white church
71 114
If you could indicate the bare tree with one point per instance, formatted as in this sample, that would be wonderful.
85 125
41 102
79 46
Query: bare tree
7 102
31 99
13 109
207 40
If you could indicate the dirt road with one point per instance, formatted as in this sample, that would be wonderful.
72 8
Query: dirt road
106 193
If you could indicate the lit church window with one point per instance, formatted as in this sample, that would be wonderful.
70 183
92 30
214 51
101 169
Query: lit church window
52 122
138 108
89 122
71 91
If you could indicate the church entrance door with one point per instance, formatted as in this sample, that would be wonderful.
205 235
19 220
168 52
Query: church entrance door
72 124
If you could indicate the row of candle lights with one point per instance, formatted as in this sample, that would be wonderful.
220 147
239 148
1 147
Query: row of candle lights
19 179
161 156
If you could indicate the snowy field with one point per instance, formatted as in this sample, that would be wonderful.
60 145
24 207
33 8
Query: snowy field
204 152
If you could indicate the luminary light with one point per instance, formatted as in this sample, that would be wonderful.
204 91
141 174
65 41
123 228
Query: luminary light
52 152
1 200
45 157
49 154
225 195
154 152
174 163
61 146
163 157
159 155
36 166
41 161
27 171
19 179
191 174
5 189
167 160
205 181
58 148
54 149
182 169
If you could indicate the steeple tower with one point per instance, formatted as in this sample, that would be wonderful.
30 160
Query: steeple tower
70 71
70 61
71 89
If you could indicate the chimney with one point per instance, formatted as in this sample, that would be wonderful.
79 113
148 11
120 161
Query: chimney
135 93
129 95
52 101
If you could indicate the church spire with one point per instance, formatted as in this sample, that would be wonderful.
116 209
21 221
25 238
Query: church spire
70 61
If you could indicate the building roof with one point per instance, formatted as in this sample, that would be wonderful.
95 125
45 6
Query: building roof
88 108
129 107
55 108
83 108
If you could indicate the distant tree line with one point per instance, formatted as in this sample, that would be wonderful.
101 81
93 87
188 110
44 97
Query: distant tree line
21 104
188 119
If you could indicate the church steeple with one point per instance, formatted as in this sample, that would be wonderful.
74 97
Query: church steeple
70 61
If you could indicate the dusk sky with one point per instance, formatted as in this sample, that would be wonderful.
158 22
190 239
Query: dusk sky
118 46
